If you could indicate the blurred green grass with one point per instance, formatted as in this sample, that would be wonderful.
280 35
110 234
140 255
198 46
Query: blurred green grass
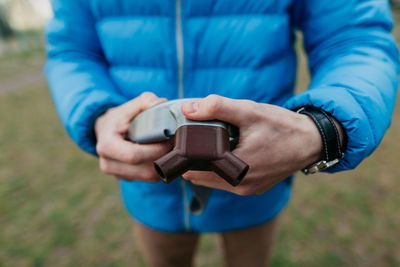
57 209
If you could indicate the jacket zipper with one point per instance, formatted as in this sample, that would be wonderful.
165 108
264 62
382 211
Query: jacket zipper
179 46
180 57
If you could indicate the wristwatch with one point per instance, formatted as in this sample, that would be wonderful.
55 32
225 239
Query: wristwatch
332 150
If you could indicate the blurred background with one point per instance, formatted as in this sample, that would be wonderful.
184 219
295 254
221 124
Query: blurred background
57 209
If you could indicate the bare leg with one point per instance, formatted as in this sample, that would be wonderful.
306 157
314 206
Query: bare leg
251 246
161 249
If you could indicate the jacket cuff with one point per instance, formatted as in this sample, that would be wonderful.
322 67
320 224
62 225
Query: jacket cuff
80 124
343 106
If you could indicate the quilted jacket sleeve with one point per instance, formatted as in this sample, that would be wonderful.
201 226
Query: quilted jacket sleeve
353 61
77 71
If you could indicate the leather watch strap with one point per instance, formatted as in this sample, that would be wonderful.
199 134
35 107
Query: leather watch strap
329 132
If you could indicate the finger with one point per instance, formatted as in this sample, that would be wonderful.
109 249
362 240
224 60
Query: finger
220 108
144 101
212 180
208 179
115 147
143 172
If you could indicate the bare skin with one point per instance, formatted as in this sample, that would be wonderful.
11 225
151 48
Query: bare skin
274 141
119 157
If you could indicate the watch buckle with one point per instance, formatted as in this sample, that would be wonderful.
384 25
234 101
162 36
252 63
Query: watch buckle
319 166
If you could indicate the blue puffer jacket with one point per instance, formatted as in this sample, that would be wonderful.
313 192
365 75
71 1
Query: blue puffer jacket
102 53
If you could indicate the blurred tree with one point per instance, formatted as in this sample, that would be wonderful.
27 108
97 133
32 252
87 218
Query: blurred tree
6 32
395 3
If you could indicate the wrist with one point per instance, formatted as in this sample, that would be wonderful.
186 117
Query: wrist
332 136
314 137
92 131
312 140
341 132
98 124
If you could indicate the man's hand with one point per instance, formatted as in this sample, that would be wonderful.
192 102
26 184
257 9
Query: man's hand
121 158
274 141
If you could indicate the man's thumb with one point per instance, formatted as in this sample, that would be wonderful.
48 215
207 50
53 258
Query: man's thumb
141 103
215 107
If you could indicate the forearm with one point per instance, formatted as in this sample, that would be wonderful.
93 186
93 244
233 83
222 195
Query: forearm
354 72
77 72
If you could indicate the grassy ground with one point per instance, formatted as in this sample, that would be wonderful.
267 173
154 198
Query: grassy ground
57 209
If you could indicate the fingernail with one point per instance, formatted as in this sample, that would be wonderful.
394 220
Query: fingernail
186 176
190 107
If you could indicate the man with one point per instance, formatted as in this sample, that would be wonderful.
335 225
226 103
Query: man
109 60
